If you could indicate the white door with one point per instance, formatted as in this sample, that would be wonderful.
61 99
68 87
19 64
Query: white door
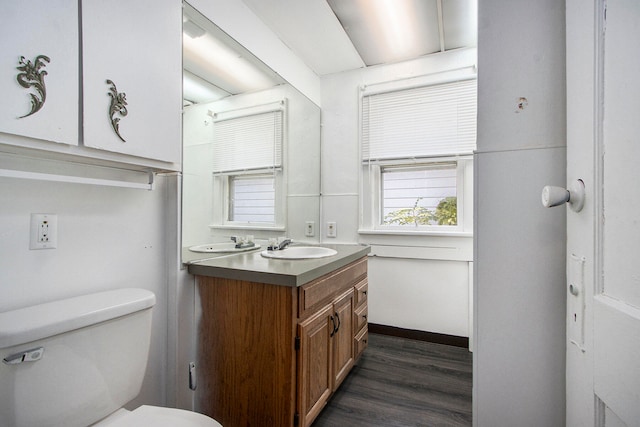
603 243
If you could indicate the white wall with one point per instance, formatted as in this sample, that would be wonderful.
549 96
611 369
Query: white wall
412 285
519 371
108 238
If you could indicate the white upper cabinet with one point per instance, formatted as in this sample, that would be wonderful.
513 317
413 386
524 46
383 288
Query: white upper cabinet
39 70
132 77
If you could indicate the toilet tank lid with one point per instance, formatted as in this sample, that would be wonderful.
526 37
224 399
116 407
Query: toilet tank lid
44 320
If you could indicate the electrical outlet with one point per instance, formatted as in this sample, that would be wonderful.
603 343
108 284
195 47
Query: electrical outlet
44 231
310 228
331 229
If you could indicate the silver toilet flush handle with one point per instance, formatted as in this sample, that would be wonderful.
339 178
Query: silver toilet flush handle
26 356
556 196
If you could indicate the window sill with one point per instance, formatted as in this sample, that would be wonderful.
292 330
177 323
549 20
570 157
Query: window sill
416 233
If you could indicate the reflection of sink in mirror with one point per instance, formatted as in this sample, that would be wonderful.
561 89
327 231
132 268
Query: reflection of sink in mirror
223 247
265 182
300 252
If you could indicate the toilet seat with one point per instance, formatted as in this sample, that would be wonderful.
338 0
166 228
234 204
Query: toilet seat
157 417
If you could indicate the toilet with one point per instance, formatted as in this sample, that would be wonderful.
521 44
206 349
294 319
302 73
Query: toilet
76 362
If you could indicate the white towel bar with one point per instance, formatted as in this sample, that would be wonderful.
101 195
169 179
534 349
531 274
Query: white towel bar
9 173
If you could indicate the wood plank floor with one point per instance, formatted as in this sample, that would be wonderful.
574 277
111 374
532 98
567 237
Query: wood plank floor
403 382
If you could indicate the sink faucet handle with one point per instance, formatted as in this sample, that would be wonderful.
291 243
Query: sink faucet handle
273 244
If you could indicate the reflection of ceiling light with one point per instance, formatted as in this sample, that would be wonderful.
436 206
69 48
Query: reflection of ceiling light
213 59
198 90
191 29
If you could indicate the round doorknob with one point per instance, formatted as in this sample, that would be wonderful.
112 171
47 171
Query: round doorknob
556 196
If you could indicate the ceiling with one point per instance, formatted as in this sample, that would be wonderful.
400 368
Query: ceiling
332 36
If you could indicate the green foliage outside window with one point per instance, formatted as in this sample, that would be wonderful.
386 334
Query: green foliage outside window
446 213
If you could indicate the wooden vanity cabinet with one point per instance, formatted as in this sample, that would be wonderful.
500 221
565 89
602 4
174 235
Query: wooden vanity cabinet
325 356
273 355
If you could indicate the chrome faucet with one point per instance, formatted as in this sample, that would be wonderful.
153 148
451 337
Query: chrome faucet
284 244
275 246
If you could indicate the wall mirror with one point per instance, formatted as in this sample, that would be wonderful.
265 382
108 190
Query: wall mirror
251 146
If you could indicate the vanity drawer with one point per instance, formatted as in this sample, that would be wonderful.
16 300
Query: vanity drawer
360 315
325 288
362 289
360 342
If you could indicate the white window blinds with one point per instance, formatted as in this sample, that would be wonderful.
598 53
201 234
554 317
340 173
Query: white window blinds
252 142
420 122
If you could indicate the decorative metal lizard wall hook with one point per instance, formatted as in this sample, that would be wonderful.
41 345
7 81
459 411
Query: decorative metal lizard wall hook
32 76
118 106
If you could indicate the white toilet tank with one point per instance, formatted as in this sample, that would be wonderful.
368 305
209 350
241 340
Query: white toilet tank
73 362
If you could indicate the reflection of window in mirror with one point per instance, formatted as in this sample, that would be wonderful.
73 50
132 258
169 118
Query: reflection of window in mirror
247 166
252 199
218 187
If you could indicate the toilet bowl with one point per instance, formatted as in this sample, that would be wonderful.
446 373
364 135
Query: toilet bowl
157 417
78 361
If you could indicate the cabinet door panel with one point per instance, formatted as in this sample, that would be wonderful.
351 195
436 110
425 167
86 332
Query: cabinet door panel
138 46
314 364
29 29
343 338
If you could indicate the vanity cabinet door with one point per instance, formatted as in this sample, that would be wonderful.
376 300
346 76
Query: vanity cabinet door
343 337
40 100
132 77
314 363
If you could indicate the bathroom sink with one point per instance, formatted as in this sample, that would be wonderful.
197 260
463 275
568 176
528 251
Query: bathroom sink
300 252
223 247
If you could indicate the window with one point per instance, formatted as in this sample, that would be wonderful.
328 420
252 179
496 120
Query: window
252 199
416 148
248 167
420 195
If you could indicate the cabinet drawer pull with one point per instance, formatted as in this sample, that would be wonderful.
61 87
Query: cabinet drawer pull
31 76
118 106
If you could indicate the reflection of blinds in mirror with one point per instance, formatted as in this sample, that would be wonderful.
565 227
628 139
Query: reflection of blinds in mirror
251 142
420 122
